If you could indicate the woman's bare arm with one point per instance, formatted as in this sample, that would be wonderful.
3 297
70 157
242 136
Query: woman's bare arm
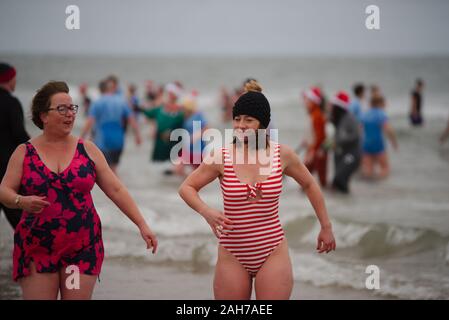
208 171
10 185
294 168
117 192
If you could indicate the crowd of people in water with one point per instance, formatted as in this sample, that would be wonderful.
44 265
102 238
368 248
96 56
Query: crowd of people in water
353 127
47 180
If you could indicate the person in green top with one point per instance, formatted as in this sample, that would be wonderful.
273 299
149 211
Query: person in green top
168 116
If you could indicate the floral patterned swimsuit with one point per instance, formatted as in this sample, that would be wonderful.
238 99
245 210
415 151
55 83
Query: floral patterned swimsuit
68 232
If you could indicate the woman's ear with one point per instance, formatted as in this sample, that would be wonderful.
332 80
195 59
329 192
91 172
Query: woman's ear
44 117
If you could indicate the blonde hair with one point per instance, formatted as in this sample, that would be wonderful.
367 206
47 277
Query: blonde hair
252 85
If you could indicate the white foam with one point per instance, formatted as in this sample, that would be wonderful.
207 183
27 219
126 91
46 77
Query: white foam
195 251
163 224
322 272
350 234
346 234
399 236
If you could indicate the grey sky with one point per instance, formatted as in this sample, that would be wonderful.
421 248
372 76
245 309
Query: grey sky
408 27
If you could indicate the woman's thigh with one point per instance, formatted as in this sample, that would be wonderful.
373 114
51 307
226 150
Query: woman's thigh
231 281
76 286
39 286
274 281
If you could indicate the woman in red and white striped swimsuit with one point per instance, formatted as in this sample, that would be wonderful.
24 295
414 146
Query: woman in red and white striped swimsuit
252 244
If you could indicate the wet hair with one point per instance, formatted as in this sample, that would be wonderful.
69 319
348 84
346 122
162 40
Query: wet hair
358 89
42 99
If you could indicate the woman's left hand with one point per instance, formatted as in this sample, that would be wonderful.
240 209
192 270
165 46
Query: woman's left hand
149 237
326 241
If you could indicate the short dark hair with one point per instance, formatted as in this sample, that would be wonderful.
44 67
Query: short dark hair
112 78
358 89
41 101
103 86
419 82
377 101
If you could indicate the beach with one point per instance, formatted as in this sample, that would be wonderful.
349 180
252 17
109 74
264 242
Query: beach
133 279
400 225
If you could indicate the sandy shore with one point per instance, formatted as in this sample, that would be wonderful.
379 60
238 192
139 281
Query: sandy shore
120 280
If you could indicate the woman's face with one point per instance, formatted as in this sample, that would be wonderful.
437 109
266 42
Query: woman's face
244 123
61 115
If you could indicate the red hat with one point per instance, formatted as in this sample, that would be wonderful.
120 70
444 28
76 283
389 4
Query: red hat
7 72
314 94
341 99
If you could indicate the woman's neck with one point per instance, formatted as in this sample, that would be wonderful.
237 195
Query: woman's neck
48 137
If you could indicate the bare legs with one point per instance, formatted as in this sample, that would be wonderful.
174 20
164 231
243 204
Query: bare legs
46 286
232 281
273 281
39 286
369 162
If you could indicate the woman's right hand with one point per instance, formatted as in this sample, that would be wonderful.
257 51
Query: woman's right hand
217 221
33 204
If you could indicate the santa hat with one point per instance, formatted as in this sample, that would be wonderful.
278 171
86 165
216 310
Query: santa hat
174 89
314 94
341 99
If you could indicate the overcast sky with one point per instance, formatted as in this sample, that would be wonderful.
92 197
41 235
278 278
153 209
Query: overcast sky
254 27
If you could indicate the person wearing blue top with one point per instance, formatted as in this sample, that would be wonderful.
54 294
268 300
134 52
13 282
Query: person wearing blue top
356 104
195 123
375 126
133 100
107 114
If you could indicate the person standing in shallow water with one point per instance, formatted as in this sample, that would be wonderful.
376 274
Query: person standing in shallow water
416 118
50 178
376 125
316 155
168 117
347 151
252 246
356 104
106 116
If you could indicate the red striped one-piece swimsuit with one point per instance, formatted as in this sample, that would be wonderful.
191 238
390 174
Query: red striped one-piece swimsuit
257 230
